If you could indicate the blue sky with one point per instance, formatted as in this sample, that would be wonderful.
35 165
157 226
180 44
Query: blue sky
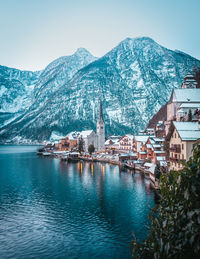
35 32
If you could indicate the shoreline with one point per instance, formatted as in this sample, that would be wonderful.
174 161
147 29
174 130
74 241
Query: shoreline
102 160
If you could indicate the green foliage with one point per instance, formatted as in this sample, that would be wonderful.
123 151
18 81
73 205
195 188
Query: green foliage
91 149
157 171
80 145
197 76
190 115
175 221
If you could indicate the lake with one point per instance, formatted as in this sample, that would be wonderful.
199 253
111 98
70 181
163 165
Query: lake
55 209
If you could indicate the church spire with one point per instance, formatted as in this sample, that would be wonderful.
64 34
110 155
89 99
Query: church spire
100 111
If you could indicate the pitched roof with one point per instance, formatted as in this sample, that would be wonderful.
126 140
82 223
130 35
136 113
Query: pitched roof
130 136
187 130
190 105
141 138
73 135
189 95
86 133
158 139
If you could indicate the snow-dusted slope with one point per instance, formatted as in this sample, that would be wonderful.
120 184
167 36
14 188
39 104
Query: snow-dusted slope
16 92
135 79
59 72
20 89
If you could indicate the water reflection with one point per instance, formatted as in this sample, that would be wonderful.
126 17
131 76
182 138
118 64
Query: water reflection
50 208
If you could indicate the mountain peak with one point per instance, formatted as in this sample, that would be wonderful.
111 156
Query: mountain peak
82 51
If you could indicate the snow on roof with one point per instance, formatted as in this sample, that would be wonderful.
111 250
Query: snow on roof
130 136
149 146
116 141
187 130
132 154
189 126
187 95
148 164
189 135
156 145
163 163
114 137
190 105
85 133
124 154
158 139
152 141
152 168
161 158
107 142
74 153
141 138
73 135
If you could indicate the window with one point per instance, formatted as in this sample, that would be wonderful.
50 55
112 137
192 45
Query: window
183 157
175 135
182 146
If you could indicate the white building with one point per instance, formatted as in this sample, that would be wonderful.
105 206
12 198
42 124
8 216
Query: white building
181 142
183 100
89 138
96 139
139 142
100 130
126 142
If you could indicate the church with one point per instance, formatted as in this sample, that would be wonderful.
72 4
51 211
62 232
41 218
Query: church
100 130
97 139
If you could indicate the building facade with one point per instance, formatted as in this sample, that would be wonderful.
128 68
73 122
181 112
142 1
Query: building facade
181 143
100 130
126 142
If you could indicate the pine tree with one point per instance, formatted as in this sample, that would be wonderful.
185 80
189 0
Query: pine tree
157 171
81 145
197 76
190 115
91 149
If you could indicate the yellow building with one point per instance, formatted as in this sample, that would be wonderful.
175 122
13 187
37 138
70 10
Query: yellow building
181 143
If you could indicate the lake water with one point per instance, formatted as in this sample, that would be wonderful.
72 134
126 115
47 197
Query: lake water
54 209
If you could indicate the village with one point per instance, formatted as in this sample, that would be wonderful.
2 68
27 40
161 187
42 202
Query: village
154 151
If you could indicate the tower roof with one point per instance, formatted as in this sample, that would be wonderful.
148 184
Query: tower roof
100 111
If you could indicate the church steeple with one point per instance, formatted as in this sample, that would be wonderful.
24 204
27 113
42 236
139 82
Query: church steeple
100 129
100 111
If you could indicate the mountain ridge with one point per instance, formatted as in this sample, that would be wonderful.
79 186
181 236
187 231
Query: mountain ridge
135 79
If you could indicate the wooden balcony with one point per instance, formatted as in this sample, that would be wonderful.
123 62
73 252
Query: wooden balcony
175 149
172 159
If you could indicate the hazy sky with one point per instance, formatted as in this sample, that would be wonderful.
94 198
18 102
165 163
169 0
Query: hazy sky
35 32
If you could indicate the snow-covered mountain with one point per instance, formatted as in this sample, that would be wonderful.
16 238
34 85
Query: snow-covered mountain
59 72
20 89
16 92
134 79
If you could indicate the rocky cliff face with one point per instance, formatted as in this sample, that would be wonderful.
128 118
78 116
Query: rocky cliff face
16 92
21 89
134 79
